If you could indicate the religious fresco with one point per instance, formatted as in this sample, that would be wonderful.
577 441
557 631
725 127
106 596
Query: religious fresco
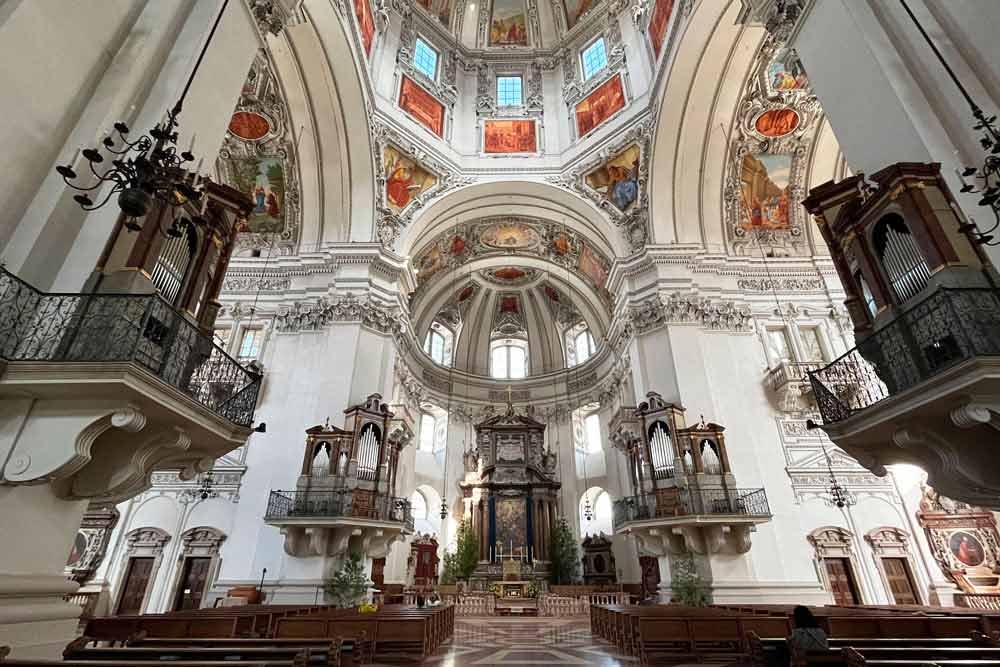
509 303
575 9
658 22
263 179
764 191
249 125
510 275
421 106
405 179
510 236
439 8
592 265
785 73
777 122
618 178
963 540
509 136
366 24
510 522
604 102
508 23
429 264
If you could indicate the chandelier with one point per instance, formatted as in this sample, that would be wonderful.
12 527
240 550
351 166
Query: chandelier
986 179
836 493
146 169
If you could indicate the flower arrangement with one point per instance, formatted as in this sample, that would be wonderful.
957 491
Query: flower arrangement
367 608
532 589
495 589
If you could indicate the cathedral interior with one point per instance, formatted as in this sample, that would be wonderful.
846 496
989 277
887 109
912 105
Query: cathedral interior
391 323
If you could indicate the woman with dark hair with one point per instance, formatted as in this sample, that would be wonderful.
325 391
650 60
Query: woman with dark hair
807 635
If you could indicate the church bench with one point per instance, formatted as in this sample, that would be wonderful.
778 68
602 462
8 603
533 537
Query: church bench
327 654
402 631
120 628
773 651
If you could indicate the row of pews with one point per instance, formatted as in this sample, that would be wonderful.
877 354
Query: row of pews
887 637
256 635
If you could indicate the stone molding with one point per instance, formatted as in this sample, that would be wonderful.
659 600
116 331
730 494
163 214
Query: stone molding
675 308
312 315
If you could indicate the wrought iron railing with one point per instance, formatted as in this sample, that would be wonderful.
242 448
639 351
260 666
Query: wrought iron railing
139 328
741 502
336 504
950 326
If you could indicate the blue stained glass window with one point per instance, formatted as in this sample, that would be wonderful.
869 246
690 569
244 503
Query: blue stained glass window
509 91
425 58
595 58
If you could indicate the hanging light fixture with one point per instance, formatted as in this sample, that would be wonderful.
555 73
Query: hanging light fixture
987 175
837 494
207 488
144 169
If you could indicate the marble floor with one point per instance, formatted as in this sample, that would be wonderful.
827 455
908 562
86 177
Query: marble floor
535 641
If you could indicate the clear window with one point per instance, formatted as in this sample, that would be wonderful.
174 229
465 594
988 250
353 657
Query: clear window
509 359
434 346
427 424
595 58
778 347
250 344
812 348
418 505
584 346
592 426
509 91
425 58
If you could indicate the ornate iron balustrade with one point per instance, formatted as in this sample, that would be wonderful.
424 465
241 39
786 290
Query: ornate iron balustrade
950 326
741 502
139 328
334 505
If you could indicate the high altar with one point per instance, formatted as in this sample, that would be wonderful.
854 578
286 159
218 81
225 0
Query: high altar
511 497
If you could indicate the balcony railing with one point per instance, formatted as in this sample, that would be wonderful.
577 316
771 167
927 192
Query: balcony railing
790 371
949 327
740 502
336 505
139 328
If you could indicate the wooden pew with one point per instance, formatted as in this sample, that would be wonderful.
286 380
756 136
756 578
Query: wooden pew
326 654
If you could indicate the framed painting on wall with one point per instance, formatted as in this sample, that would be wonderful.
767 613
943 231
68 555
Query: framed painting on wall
405 179
764 191
509 136
658 22
508 23
366 24
439 8
263 179
618 178
421 106
604 102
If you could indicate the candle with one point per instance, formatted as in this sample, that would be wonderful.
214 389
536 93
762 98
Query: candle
191 147
75 156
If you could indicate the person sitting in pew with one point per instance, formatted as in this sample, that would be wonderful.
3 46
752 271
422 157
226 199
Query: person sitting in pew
807 635
434 600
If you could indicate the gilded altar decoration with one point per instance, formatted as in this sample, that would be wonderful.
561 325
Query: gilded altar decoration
441 9
509 136
509 23
764 189
575 9
366 24
249 125
604 102
405 179
421 106
658 22
963 540
618 178
777 122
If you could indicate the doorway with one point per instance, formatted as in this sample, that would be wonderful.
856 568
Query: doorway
841 578
137 576
897 573
650 568
191 587
378 572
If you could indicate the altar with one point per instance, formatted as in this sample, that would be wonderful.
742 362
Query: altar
513 589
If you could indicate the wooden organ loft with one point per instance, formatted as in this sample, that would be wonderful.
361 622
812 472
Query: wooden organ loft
346 488
684 492
923 384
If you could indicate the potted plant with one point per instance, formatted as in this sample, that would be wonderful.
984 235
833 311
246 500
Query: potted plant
348 587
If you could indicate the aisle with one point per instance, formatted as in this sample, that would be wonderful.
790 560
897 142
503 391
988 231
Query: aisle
541 641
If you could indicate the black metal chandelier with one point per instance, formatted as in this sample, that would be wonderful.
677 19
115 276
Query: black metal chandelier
145 169
986 178
837 494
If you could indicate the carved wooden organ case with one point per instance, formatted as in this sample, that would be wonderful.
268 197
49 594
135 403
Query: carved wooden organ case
511 488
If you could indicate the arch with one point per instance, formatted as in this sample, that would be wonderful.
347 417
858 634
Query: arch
430 522
600 502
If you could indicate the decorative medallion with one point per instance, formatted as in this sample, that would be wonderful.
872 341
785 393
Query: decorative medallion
249 125
510 275
777 122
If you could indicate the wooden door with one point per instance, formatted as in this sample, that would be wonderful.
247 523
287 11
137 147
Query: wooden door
650 568
838 572
191 587
137 575
897 572
378 572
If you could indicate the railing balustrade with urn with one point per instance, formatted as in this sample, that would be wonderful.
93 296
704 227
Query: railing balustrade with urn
137 328
713 502
978 600
948 327
336 504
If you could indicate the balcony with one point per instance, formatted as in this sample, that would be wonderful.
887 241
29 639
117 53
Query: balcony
706 520
139 329
323 522
788 385
924 389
